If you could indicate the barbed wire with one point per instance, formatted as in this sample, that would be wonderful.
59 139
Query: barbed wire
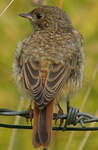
80 118
74 117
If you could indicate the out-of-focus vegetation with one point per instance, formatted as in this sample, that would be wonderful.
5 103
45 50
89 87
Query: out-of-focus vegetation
84 15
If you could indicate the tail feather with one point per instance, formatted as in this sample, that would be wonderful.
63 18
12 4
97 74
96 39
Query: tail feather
36 140
42 125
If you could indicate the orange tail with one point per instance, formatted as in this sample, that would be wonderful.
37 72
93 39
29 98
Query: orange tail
42 125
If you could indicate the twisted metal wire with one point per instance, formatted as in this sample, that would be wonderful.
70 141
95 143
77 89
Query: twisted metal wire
73 118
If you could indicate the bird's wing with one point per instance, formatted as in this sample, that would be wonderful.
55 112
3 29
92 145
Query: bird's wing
57 77
31 78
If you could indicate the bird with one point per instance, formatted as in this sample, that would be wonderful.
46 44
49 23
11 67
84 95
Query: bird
49 63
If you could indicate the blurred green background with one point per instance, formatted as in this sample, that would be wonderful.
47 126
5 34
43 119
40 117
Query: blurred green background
84 15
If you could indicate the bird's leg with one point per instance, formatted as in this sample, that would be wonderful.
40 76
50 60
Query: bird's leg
68 106
30 113
60 112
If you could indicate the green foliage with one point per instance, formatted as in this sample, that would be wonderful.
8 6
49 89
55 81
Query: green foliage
84 14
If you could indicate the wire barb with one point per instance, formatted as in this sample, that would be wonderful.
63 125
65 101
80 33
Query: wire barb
72 116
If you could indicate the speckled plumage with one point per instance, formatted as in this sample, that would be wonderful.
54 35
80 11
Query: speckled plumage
51 59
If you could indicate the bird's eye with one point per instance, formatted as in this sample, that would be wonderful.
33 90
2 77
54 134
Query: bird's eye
39 16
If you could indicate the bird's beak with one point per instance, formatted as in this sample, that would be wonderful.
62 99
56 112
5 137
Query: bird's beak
26 15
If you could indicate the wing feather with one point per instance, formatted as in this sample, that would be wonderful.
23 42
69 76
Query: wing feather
56 79
58 74
32 79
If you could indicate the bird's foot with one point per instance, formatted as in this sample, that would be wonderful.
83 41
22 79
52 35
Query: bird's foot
30 114
60 112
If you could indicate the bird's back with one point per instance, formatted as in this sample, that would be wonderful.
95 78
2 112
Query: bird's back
55 48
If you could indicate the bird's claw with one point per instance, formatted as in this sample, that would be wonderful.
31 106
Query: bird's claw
30 114
60 112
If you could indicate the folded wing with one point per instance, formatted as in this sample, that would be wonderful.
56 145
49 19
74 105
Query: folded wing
56 78
32 81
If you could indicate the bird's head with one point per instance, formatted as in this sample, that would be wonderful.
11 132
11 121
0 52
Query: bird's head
47 17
